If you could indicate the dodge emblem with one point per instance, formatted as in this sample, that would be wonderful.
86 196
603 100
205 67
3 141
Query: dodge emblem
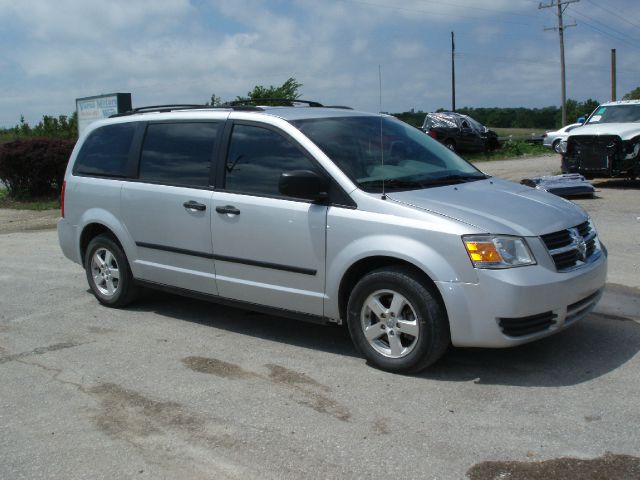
579 243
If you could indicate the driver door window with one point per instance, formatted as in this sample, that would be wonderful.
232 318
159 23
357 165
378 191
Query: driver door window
256 159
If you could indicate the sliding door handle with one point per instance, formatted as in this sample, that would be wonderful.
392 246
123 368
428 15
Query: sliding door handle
194 206
229 209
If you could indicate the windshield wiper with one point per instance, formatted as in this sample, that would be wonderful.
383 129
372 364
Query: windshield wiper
392 183
453 179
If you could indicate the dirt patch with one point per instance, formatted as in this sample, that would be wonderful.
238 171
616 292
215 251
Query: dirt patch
216 367
281 374
13 221
381 426
128 414
38 351
100 330
301 388
609 466
182 443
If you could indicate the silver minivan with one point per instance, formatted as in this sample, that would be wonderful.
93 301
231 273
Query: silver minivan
328 215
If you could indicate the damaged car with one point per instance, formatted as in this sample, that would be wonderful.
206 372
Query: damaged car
459 133
607 145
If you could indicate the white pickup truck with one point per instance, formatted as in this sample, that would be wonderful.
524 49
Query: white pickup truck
608 144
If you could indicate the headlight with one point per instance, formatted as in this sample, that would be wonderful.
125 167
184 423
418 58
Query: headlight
497 251
563 146
634 150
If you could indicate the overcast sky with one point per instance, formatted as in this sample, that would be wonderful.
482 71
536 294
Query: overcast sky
182 51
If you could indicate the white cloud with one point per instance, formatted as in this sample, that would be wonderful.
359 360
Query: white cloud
180 51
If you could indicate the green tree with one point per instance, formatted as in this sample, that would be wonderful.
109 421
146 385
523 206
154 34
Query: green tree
215 101
61 127
288 90
632 95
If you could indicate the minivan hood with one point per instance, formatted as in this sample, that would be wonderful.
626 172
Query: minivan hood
496 206
626 131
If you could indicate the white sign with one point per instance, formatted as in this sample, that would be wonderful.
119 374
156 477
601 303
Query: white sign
91 109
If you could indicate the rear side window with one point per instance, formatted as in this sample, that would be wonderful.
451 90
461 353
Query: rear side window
178 153
257 157
106 151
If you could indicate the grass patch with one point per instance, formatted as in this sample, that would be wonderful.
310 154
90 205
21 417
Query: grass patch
38 204
510 149
519 133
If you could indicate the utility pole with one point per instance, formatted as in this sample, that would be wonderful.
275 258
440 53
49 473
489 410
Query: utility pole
562 6
453 74
613 74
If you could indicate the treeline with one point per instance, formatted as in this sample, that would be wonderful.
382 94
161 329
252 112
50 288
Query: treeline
62 127
66 127
540 118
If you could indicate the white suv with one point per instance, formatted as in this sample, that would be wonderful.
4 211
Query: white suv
608 144
327 215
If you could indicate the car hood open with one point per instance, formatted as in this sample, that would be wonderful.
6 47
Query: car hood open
496 206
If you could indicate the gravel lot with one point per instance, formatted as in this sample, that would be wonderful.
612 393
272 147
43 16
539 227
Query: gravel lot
176 388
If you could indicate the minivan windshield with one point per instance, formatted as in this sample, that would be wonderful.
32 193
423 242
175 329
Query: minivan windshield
379 153
616 114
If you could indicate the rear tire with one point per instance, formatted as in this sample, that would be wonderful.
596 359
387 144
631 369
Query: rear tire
108 272
396 322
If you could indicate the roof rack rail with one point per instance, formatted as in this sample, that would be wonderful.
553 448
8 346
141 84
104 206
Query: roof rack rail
288 102
342 107
160 108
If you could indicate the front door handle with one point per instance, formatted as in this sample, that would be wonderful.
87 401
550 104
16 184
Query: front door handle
230 209
192 205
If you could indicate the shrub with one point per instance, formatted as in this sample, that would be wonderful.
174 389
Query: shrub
35 167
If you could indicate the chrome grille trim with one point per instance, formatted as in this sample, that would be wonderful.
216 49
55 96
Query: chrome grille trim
573 247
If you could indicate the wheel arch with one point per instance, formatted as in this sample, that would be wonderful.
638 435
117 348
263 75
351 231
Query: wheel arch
366 265
92 230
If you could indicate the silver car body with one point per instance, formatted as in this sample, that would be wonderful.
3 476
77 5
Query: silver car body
321 243
553 138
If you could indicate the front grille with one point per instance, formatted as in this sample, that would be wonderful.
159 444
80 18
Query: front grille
595 152
519 327
572 247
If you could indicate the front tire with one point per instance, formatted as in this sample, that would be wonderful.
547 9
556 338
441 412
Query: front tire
108 272
396 322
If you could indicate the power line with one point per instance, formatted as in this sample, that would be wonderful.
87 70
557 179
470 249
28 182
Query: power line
614 14
593 27
618 32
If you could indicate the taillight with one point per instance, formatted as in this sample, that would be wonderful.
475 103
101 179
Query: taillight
432 133
64 186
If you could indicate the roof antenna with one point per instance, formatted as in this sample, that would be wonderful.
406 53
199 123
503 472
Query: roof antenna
384 195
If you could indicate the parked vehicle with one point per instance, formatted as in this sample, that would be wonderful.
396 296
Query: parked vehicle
608 144
327 215
552 139
460 133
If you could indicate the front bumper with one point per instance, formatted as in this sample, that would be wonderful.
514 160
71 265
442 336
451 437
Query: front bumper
515 306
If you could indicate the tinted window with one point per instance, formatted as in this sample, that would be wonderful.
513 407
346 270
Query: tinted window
178 153
106 151
257 157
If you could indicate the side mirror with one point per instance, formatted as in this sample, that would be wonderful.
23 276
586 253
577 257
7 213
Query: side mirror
304 184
